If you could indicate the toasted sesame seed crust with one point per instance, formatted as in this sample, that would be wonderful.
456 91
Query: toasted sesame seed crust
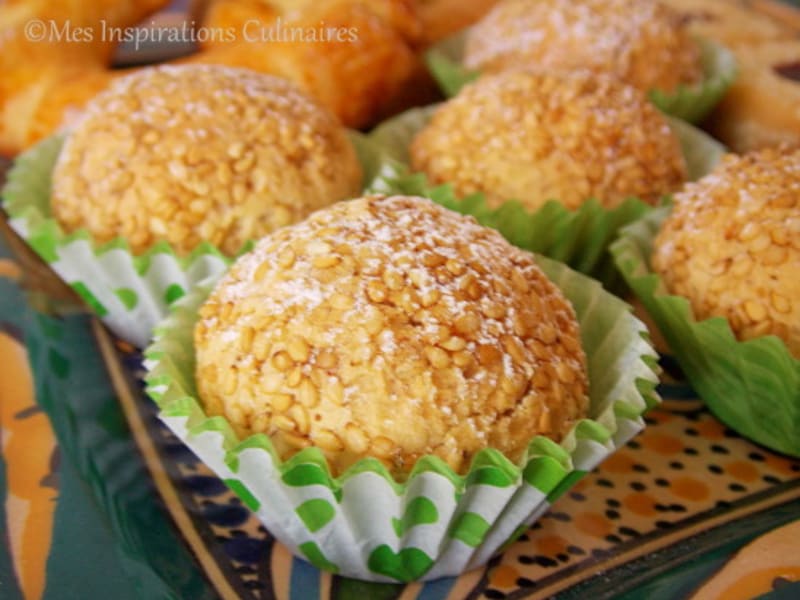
420 332
535 136
642 42
732 245
200 153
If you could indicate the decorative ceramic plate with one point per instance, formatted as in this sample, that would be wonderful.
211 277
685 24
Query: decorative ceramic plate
101 501
657 519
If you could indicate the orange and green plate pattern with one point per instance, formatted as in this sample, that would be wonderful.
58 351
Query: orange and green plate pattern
100 500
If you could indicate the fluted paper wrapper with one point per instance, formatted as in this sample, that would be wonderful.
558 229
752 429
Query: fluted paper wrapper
753 386
579 238
689 102
368 525
131 294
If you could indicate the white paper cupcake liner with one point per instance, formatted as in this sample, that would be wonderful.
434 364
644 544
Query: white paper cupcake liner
129 293
367 525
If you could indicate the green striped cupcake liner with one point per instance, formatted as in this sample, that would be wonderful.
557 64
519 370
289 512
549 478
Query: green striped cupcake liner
579 238
129 293
752 386
368 525
690 103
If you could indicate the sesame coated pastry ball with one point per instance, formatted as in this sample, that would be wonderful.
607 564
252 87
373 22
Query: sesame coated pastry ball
392 328
732 245
200 153
640 41
536 136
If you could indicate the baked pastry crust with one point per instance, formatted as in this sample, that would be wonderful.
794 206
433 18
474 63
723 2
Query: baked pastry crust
392 328
355 79
762 108
443 18
358 78
729 22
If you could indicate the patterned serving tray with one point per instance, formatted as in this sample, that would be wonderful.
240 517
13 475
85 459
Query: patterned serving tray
682 488
657 519
687 509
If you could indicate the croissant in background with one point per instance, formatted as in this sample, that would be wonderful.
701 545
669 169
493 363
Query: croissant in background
236 15
357 78
760 109
43 81
362 82
443 18
427 21
44 84
730 22
16 14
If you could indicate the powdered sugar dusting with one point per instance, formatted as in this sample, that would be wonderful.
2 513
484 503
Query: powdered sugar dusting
397 321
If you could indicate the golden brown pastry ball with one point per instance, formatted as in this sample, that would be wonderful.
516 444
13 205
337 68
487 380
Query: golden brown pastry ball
762 108
200 153
535 136
393 328
640 41
732 245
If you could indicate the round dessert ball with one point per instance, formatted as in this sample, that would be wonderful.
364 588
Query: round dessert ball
732 245
392 328
642 42
196 153
535 136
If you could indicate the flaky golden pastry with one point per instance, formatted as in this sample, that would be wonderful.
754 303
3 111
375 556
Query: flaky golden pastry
762 108
355 77
360 72
239 16
729 22
46 81
443 18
